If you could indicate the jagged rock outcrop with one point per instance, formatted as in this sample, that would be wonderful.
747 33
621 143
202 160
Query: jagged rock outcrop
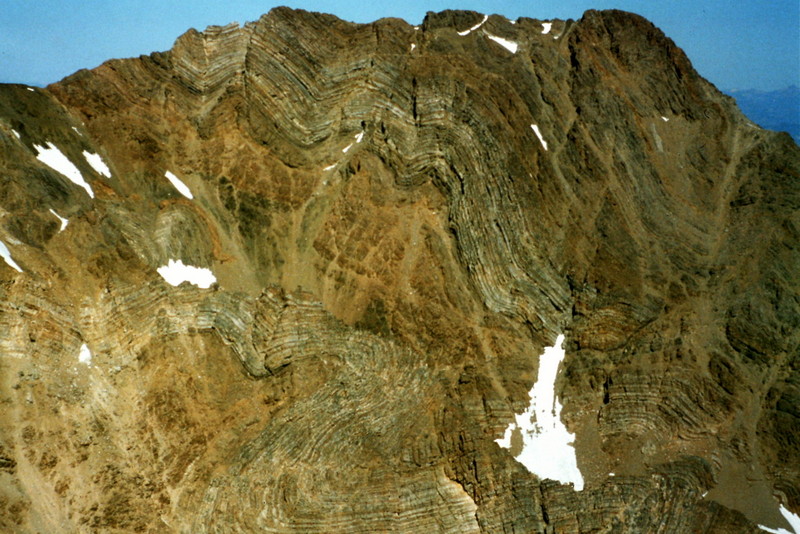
399 219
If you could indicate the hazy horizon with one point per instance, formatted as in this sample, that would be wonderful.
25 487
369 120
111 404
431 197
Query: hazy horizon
754 45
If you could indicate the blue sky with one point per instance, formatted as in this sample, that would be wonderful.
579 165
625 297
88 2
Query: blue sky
751 44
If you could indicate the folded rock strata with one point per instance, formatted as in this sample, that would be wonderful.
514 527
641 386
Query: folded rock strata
394 244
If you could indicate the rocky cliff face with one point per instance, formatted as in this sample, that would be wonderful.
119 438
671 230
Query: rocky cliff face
398 220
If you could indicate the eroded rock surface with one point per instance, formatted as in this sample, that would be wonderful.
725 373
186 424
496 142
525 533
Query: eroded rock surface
394 244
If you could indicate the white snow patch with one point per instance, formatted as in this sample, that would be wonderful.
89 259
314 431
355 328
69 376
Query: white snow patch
6 255
64 222
505 441
175 273
546 27
97 163
15 133
416 27
85 355
478 25
547 449
413 46
77 131
665 119
359 137
612 475
512 21
179 185
30 89
511 46
792 519
330 167
55 159
539 135
348 147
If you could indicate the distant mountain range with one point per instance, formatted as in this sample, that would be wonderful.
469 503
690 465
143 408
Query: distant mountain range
775 110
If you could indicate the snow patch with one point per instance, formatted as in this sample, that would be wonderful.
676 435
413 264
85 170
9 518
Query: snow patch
30 89
85 356
547 446
478 25
56 160
77 131
348 147
359 137
64 222
15 133
97 163
792 519
330 167
413 46
6 255
179 185
511 46
546 27
175 273
612 475
665 119
505 441
539 135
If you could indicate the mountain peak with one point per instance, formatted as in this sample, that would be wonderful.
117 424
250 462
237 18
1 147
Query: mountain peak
314 282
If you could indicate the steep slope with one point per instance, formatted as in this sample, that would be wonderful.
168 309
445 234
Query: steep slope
399 220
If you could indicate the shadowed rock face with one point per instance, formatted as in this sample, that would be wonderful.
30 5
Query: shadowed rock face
394 245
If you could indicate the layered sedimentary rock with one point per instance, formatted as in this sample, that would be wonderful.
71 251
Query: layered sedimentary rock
399 219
